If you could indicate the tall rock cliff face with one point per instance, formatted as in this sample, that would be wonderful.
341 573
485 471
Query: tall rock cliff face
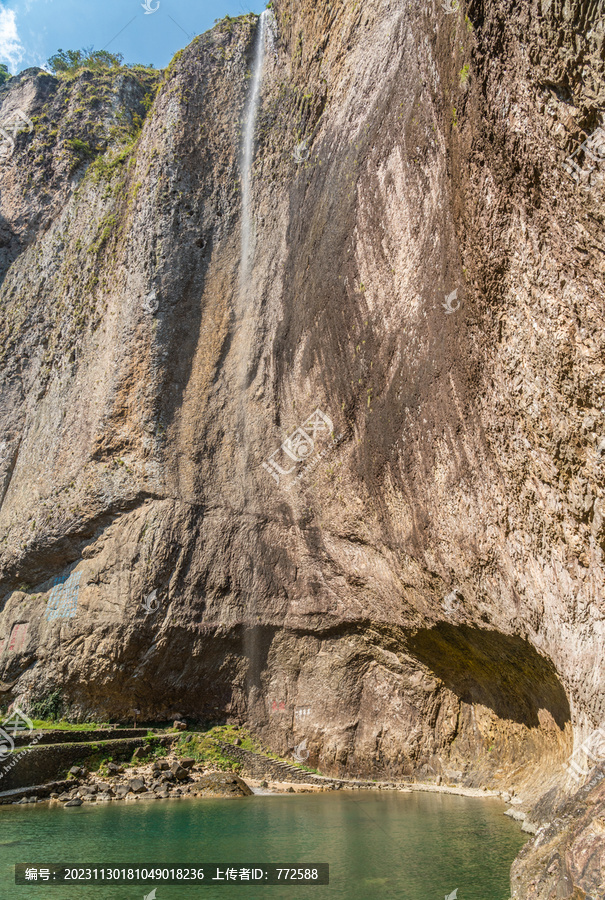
350 488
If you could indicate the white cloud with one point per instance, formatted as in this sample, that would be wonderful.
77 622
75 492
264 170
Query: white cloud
11 48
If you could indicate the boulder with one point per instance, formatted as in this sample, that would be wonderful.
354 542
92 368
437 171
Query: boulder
114 769
104 797
103 787
141 753
187 763
179 772
76 802
137 786
161 765
180 726
221 784
76 772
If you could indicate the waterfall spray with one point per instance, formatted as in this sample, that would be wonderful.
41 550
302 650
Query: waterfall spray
248 148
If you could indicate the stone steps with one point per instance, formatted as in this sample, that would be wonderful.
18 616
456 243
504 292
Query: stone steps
258 765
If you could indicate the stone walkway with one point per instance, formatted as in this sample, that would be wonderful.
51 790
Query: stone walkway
258 766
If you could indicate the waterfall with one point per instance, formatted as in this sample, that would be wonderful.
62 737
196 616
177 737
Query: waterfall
248 148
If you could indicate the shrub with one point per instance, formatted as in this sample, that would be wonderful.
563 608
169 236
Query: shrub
87 58
48 707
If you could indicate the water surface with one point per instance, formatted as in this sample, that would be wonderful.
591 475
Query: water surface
415 846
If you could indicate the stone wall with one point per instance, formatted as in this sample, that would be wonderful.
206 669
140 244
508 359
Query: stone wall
41 764
76 737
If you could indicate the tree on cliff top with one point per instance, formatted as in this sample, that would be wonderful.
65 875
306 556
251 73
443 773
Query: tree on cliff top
87 58
4 73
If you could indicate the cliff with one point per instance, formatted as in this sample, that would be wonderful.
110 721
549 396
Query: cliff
358 468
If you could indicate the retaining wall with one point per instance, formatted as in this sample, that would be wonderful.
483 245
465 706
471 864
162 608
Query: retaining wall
49 763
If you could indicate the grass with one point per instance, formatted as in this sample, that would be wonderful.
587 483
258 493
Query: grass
80 147
202 747
50 725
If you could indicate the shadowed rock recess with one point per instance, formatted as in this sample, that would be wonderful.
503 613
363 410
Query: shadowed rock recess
422 594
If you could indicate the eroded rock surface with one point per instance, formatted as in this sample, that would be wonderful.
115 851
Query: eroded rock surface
567 856
423 593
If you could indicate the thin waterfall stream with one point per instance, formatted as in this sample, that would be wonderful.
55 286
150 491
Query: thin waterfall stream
250 642
248 149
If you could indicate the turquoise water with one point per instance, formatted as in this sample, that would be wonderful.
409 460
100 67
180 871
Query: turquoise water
414 846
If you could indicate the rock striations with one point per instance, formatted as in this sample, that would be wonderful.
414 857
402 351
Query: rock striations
359 500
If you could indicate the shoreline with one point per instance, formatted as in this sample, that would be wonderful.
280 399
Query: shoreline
261 787
287 787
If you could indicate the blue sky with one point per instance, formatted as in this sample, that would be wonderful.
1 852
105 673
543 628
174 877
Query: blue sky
32 30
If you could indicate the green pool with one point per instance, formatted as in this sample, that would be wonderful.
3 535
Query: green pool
414 846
